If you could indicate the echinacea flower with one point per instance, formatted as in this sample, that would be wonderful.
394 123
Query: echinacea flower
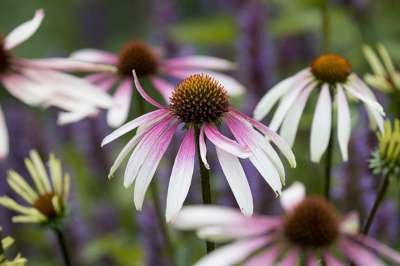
39 82
47 200
199 106
384 77
150 64
331 76
5 243
310 232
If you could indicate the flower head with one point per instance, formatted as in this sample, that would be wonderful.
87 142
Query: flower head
386 158
310 230
40 82
199 106
330 75
149 63
384 77
47 199
5 243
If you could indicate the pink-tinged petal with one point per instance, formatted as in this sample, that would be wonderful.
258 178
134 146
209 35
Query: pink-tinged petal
95 56
291 258
75 116
271 136
26 90
321 125
292 196
237 180
245 135
267 257
290 124
106 84
225 143
143 93
232 254
68 65
350 223
275 93
330 260
164 88
313 261
287 102
141 132
203 148
381 249
142 150
344 122
194 217
146 118
98 77
231 85
24 31
181 175
118 113
149 167
358 254
202 62
3 136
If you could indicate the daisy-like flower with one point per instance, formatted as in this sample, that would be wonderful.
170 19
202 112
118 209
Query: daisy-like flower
39 82
149 63
384 77
199 106
47 200
5 243
311 231
331 76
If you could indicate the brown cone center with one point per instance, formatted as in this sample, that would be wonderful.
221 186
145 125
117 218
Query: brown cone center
331 68
45 205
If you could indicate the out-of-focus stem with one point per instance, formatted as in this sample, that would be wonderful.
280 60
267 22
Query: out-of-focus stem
63 245
325 27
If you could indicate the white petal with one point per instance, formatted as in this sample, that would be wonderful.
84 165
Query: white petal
344 122
3 136
321 125
181 175
24 31
237 180
292 196
65 118
118 113
68 65
202 62
350 224
203 148
290 125
95 56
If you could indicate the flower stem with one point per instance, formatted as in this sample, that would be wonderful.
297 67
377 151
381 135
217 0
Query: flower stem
205 184
379 197
325 27
328 164
161 220
2 249
63 245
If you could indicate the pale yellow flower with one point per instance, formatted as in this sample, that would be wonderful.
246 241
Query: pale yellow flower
6 242
46 200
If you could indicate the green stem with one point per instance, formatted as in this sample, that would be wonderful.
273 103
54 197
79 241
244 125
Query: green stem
63 245
205 185
328 164
2 252
379 197
325 27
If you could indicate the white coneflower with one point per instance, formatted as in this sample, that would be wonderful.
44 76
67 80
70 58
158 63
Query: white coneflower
47 199
332 77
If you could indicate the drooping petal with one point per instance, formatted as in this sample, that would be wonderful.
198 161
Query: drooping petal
358 254
321 125
237 180
95 56
267 257
203 148
143 93
181 175
225 143
164 87
201 62
24 31
118 113
68 65
3 136
146 118
382 249
292 196
287 102
290 124
343 123
275 93
233 253
148 169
